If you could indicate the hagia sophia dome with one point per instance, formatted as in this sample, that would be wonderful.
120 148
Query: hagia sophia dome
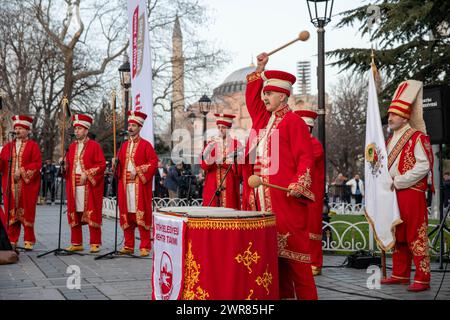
235 82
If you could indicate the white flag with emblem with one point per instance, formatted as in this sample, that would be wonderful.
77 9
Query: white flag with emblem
380 201
168 256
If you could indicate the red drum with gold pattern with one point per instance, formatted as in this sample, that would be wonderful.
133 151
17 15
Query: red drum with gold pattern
230 254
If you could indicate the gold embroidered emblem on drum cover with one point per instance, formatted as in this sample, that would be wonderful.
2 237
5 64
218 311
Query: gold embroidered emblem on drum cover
191 277
265 280
248 257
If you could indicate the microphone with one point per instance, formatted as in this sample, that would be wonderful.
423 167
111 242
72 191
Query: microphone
236 153
13 133
123 133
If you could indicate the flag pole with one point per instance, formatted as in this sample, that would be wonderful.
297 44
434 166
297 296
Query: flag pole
383 263
375 76
64 104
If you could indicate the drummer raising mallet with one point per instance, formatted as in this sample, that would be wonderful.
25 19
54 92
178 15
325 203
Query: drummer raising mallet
284 158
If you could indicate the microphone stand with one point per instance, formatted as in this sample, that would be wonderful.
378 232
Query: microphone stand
190 180
222 180
220 187
442 227
59 250
115 253
63 152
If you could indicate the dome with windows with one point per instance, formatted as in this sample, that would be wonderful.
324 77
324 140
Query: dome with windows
235 82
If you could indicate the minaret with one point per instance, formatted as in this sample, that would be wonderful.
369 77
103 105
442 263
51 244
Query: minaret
177 70
304 77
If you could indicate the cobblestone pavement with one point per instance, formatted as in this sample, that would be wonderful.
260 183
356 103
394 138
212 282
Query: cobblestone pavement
128 278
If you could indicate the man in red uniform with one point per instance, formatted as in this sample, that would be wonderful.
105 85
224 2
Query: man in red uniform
21 198
280 148
410 160
218 155
318 188
84 171
136 168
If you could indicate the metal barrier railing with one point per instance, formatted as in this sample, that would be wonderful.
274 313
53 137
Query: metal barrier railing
338 236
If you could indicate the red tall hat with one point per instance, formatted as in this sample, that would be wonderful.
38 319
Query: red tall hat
82 120
22 121
224 119
308 116
279 81
136 117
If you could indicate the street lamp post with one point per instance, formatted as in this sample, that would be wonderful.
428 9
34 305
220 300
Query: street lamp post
125 81
205 106
320 16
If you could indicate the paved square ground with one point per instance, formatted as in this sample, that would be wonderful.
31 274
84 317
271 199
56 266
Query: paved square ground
129 278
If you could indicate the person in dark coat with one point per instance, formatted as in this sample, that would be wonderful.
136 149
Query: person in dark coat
160 178
173 180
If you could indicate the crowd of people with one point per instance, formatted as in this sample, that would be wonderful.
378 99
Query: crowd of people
171 181
344 190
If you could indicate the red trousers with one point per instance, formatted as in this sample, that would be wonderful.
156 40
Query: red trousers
14 233
315 249
95 234
296 280
129 234
411 237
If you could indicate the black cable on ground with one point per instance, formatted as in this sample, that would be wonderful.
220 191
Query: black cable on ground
442 280
323 267
354 294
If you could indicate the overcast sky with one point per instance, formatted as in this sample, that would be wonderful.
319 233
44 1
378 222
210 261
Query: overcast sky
246 28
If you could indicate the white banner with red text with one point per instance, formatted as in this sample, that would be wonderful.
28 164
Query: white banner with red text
168 256
140 64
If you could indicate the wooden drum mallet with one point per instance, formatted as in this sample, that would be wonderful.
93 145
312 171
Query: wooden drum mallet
303 36
255 181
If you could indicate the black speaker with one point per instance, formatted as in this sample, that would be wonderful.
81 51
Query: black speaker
436 113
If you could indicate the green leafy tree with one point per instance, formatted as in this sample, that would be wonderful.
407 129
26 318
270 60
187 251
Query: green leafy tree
412 38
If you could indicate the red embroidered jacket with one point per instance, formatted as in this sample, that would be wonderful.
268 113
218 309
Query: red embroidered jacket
29 160
145 161
404 150
93 164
